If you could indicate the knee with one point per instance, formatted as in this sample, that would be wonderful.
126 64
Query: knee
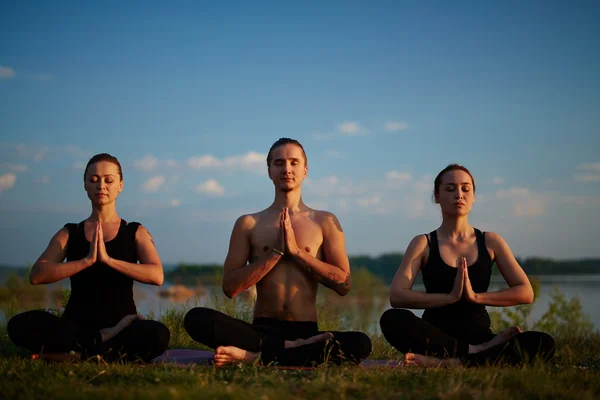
157 335
364 346
198 318
394 318
18 326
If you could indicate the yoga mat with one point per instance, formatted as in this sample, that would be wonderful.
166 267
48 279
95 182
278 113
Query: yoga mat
200 357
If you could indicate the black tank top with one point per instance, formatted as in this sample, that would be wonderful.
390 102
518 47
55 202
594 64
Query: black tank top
462 319
100 295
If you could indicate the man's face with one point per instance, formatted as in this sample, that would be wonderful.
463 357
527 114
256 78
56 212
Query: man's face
288 168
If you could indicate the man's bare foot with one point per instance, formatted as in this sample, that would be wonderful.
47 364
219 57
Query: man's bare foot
231 354
500 338
414 360
321 337
109 333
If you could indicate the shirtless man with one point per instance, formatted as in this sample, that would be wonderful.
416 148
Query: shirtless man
285 250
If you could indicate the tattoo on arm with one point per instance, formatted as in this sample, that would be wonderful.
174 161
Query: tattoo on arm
328 280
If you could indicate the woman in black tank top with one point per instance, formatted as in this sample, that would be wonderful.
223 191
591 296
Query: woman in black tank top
102 255
456 263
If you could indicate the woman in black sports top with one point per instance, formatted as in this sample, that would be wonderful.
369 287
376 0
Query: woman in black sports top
456 263
102 255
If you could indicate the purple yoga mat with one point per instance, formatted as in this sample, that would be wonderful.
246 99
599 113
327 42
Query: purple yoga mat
200 357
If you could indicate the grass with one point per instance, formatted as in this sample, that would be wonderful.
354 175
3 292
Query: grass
574 372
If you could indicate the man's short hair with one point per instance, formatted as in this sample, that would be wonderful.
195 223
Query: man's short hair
282 141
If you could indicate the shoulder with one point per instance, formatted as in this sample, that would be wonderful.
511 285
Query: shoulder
327 220
247 221
493 240
418 244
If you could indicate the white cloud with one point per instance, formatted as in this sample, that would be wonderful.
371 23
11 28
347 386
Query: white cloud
15 167
33 153
512 192
590 166
171 163
211 187
349 128
6 72
425 184
148 163
524 202
587 178
175 203
7 181
44 180
76 151
530 207
395 126
397 178
366 202
252 161
497 180
79 165
154 184
204 162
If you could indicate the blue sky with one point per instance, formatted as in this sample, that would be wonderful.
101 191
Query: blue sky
382 95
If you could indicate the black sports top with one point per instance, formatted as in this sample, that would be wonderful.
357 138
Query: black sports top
461 319
100 295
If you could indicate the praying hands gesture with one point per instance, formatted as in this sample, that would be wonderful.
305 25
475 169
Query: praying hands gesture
288 238
468 292
462 284
97 247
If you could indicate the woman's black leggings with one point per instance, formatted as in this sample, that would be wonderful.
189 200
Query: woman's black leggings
213 329
39 331
409 333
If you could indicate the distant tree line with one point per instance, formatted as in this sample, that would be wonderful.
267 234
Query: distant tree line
383 266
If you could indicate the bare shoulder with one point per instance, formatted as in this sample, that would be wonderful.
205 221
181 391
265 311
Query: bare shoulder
327 220
418 244
493 240
62 235
247 221
142 232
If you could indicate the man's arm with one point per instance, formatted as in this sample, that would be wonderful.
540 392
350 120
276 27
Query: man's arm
237 276
335 271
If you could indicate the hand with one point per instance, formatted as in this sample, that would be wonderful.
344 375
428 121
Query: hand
321 337
92 255
459 283
468 292
103 256
291 246
279 248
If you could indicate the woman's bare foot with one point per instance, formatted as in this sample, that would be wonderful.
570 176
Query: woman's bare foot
500 338
231 354
414 360
109 333
68 356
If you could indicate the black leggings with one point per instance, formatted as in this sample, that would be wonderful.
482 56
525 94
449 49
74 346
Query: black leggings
213 329
39 331
409 333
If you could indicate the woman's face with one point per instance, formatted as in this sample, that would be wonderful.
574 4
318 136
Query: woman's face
103 182
455 195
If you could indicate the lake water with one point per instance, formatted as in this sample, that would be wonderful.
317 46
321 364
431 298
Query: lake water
586 287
